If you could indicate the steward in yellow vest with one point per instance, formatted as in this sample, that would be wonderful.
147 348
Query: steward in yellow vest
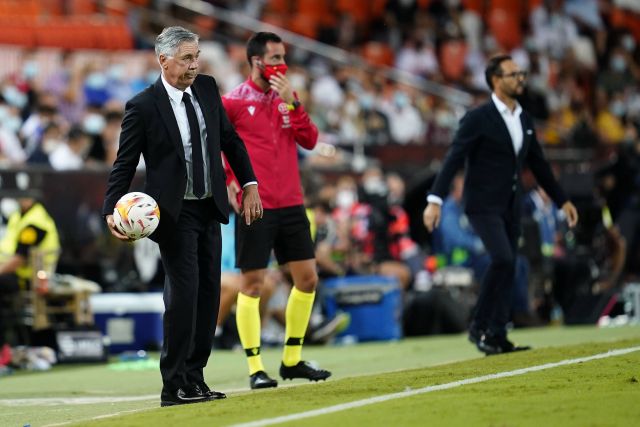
31 228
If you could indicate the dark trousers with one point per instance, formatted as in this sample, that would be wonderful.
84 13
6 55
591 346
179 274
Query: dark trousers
499 234
190 252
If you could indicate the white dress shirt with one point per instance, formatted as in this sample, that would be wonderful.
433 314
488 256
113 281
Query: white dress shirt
180 112
514 126
512 120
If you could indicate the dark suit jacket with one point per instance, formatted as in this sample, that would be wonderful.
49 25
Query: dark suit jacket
483 145
149 127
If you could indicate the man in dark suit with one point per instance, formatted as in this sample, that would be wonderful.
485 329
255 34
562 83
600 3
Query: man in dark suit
494 142
179 126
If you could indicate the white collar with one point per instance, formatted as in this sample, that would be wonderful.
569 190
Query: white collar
503 108
175 93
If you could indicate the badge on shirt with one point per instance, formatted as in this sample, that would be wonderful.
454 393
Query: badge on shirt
28 236
251 109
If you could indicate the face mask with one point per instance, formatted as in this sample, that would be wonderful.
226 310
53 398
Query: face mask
629 43
400 99
14 97
96 81
273 70
366 101
345 199
618 63
117 72
93 123
8 207
375 186
618 108
30 70
12 124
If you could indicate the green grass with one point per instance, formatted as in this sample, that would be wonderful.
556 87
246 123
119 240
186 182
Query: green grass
601 392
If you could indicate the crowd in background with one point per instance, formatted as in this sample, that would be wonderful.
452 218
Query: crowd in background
63 109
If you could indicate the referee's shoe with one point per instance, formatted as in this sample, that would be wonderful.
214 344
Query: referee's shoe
303 370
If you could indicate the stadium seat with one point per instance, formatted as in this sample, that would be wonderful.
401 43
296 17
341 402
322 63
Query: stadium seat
280 7
452 59
505 27
82 7
378 53
477 6
306 25
358 9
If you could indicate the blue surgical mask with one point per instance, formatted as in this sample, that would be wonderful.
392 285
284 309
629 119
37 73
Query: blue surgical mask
12 124
4 112
618 108
400 99
30 70
618 63
366 101
94 123
14 97
629 43
96 80
117 72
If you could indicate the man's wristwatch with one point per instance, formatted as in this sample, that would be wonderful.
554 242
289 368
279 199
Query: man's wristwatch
295 104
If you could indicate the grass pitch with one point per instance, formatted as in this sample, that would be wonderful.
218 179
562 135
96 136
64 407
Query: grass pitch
596 393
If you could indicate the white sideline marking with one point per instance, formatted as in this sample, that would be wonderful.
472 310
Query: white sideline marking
53 401
429 389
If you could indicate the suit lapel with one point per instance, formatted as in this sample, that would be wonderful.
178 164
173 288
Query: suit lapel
527 132
168 117
501 126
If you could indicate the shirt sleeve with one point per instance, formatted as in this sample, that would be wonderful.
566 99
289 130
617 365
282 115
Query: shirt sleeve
305 131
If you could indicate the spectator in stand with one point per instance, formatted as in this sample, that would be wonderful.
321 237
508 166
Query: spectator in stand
66 85
34 126
72 153
11 151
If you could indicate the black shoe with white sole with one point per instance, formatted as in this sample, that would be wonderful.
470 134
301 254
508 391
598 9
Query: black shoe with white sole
303 370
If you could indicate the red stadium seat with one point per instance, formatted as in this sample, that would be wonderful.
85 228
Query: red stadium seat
505 27
378 53
306 25
452 59
358 9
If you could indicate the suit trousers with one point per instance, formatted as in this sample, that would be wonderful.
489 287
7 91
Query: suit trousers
190 250
499 234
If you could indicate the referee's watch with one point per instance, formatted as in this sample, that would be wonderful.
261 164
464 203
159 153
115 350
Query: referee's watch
294 105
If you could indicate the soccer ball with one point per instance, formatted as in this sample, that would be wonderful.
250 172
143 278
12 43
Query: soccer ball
136 215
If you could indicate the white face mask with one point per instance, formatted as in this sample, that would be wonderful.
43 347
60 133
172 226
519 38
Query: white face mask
4 112
8 207
375 186
12 124
94 123
14 96
345 199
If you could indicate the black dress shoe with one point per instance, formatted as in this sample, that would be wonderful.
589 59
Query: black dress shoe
206 391
303 370
184 395
475 335
490 345
261 380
